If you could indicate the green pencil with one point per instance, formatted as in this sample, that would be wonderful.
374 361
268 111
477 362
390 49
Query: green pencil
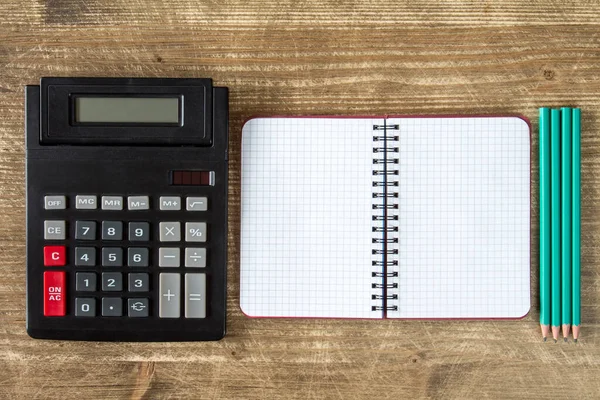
565 202
545 221
555 187
576 222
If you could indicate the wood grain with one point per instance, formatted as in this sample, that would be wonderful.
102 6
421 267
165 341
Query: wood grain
312 57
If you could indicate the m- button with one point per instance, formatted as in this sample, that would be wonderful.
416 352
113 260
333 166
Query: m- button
138 203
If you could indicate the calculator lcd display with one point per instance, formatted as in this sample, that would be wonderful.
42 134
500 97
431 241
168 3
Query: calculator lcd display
128 110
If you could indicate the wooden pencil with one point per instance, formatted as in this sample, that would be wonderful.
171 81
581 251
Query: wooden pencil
545 221
565 203
576 221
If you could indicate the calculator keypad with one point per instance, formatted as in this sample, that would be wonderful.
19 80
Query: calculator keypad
118 265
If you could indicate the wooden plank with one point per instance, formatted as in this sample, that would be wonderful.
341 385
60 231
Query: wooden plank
312 57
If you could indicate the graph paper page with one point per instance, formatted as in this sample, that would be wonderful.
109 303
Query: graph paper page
306 224
463 217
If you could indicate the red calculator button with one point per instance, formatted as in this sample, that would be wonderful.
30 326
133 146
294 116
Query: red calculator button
55 287
55 256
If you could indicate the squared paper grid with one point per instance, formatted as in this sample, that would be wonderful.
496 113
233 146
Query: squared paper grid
306 224
464 226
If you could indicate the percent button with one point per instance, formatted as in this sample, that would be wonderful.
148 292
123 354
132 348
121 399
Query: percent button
195 231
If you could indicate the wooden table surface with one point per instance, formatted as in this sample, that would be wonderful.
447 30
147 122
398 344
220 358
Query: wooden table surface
302 58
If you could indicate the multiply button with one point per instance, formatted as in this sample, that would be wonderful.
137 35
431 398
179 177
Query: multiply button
55 256
170 231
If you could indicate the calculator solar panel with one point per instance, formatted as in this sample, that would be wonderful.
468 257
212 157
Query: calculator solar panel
126 212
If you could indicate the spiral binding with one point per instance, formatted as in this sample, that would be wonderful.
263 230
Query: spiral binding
385 184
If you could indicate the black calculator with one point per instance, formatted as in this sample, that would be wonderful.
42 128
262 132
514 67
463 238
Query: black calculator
126 209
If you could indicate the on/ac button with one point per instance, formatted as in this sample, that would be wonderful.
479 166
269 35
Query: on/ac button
54 293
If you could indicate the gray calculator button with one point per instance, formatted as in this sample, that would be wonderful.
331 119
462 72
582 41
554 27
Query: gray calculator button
112 230
195 295
139 282
137 257
112 202
137 307
85 230
138 203
85 202
139 231
112 257
55 202
195 257
170 231
112 307
55 230
85 256
168 257
195 231
85 282
169 292
85 307
112 282
170 203
196 204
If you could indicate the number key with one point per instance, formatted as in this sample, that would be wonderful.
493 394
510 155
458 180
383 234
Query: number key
139 282
137 257
85 307
112 281
139 231
85 230
112 230
112 257
85 282
85 256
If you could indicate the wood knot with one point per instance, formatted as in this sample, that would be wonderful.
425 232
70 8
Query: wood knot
549 74
415 358
159 59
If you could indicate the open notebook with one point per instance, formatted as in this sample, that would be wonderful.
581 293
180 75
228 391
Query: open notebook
408 217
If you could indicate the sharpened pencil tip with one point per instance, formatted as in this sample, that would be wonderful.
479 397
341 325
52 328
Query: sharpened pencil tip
565 340
545 338
575 340
555 341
